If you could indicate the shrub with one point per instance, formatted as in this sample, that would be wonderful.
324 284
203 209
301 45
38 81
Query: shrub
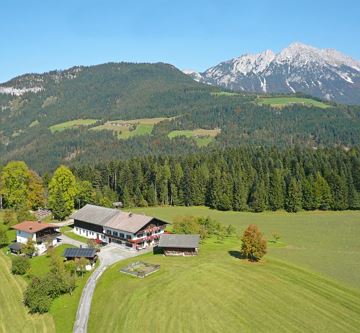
253 244
36 297
205 226
20 265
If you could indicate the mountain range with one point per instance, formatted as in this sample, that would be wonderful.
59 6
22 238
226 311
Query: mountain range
324 73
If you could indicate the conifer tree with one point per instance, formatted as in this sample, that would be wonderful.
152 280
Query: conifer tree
293 197
276 191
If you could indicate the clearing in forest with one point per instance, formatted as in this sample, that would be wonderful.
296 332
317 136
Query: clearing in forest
201 136
72 124
286 101
126 129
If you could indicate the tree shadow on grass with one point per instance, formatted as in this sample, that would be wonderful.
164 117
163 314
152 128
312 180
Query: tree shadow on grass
236 254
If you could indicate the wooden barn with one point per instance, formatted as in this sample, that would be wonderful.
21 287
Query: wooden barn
179 245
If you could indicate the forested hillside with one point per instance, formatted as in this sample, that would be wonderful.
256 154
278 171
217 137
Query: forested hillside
33 105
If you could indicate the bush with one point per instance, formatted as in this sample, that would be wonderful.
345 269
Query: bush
253 244
205 226
20 265
36 297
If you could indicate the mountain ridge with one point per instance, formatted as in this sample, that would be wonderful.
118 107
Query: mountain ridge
323 73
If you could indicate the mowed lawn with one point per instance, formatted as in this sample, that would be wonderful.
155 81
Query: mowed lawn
324 242
283 101
14 316
217 292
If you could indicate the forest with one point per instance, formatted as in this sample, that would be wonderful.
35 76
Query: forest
123 91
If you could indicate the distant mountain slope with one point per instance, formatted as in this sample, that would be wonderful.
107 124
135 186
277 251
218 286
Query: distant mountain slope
324 73
34 106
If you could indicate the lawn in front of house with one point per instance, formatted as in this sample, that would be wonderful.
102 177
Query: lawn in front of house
217 292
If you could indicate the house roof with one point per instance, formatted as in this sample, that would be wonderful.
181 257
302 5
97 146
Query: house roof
112 218
16 246
179 240
128 222
94 214
32 226
79 252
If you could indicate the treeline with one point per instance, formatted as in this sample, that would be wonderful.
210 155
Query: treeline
241 179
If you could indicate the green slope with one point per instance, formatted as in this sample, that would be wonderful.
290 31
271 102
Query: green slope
216 292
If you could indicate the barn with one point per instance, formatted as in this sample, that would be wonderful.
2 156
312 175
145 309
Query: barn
179 244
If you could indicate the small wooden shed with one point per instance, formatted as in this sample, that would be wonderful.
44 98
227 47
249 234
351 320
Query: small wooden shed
179 244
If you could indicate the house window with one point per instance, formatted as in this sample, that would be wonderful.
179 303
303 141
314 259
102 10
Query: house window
128 237
108 232
115 233
140 235
121 235
76 229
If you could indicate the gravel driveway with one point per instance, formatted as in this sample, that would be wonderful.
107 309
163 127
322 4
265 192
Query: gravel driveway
108 255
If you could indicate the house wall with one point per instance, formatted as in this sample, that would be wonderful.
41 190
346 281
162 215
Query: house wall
88 230
172 251
23 236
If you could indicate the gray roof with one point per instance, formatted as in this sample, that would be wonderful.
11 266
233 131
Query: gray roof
180 241
79 252
128 222
16 246
112 218
94 214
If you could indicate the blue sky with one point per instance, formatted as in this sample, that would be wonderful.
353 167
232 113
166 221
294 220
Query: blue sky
38 36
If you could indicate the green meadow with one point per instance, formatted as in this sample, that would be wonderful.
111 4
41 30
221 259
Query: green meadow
284 101
324 242
201 136
14 316
126 129
71 124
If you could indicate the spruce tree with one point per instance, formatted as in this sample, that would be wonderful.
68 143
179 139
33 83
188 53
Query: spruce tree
293 197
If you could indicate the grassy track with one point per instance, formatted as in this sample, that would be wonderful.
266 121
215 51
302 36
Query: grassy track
71 124
326 242
216 292
283 101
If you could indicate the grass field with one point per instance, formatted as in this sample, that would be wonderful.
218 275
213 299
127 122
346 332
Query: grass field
130 128
324 242
224 93
202 136
71 124
284 101
13 313
216 292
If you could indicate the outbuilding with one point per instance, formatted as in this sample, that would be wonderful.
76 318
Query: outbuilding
179 244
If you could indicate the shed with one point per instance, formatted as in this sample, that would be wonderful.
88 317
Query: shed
16 247
179 244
